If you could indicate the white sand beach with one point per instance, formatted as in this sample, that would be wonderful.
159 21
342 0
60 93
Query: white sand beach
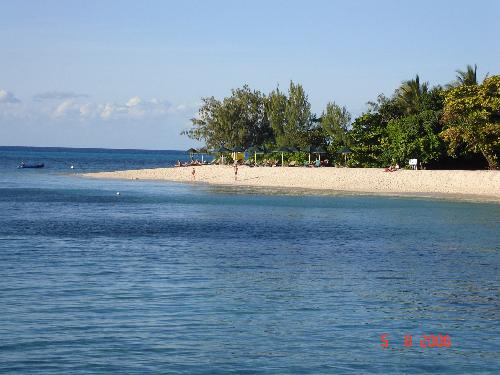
456 183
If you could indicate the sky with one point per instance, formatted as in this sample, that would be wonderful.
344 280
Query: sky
130 74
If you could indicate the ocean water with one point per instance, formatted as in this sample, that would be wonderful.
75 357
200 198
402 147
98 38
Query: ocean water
191 279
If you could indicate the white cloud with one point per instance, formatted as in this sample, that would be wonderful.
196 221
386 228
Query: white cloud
8 97
86 110
63 109
136 107
107 111
134 101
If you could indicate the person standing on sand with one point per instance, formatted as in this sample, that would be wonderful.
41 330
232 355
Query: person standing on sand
235 172
194 174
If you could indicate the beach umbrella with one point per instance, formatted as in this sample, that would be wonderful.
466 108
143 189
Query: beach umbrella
345 151
310 150
293 149
255 150
202 151
319 150
221 150
283 149
237 150
191 151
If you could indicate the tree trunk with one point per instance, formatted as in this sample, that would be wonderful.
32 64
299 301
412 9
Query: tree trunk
491 158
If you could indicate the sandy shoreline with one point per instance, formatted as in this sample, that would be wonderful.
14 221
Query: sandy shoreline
465 184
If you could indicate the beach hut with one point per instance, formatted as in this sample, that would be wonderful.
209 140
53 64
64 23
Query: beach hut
283 150
191 152
293 150
238 153
221 150
320 151
202 151
254 150
309 150
345 151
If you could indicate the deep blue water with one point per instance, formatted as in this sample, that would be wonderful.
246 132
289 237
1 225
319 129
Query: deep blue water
169 278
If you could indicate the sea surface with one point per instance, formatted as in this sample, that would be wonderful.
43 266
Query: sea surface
191 279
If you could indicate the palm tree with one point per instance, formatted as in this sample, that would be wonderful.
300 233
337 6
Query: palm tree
410 95
467 77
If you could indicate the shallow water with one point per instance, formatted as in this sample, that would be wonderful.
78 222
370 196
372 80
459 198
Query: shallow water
171 278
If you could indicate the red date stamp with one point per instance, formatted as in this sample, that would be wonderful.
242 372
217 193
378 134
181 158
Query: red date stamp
425 341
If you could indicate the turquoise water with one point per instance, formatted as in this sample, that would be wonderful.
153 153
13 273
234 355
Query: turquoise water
189 279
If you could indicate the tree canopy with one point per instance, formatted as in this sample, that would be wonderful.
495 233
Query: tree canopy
248 117
238 120
467 76
472 116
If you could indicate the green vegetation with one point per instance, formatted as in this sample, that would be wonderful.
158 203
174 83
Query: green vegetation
290 116
238 120
335 123
472 116
456 125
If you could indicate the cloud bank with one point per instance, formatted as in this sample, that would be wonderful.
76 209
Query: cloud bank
66 105
76 120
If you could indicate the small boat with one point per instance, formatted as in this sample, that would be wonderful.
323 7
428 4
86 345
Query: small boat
22 165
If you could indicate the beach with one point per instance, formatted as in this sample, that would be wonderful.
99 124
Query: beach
460 184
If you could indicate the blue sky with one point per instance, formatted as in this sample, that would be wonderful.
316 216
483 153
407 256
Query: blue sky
130 74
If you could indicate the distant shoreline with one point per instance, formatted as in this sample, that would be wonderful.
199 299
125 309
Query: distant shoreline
455 184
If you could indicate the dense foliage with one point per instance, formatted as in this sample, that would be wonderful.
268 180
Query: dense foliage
415 136
439 126
238 120
472 116
290 116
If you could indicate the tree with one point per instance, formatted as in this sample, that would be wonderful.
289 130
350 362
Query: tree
251 117
467 77
238 120
335 121
297 117
384 134
387 108
410 95
472 116
366 135
316 136
206 126
289 116
413 137
275 105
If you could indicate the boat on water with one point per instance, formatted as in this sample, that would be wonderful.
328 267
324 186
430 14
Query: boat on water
23 165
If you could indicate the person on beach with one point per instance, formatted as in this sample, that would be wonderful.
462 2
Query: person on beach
194 174
392 168
235 172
